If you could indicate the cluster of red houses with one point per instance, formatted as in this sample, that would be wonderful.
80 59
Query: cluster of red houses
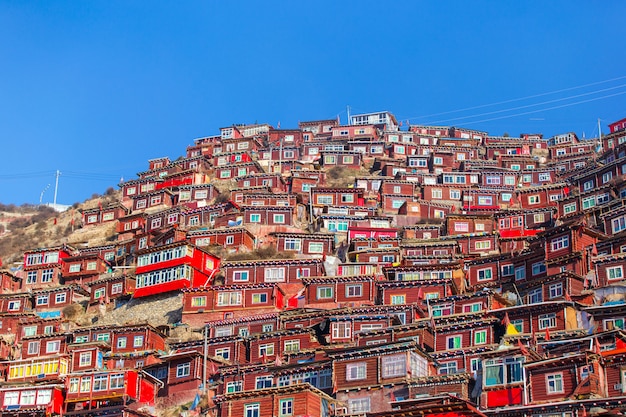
458 274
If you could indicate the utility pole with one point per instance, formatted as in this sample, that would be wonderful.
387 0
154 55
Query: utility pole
599 130
56 188
348 110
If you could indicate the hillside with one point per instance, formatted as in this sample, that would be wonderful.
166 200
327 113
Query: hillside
28 227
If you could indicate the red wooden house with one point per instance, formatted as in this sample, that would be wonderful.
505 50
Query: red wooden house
9 283
196 194
110 287
339 291
132 188
37 400
340 197
159 198
540 196
365 376
256 198
214 302
99 215
44 345
568 247
109 389
238 169
301 399
274 270
172 267
206 216
15 303
268 215
307 244
231 238
84 268
53 300
274 181
42 267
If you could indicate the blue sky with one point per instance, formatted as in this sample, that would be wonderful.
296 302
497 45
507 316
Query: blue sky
96 88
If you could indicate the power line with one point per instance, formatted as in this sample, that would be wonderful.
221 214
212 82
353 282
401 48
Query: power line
547 109
517 99
529 105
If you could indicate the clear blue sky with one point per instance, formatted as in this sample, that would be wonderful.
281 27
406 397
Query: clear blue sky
96 88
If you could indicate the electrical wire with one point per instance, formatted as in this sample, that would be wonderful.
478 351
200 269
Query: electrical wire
547 109
517 99
528 105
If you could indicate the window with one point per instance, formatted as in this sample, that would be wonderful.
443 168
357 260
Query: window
266 350
547 321
33 348
316 247
268 328
74 268
472 308
341 330
398 299
251 410
480 337
520 273
502 371
231 298
121 342
100 383
60 298
533 199
274 274
354 290
538 268
554 383
559 243
116 288
11 398
240 276
183 370
255 218
437 193
619 224
482 244
104 337
569 208
292 345
264 382
198 301
324 293
453 342
85 359
535 296
461 227
53 346
116 381
356 371
224 353
347 198
446 368
293 244
555 290
359 405
279 218
99 293
46 275
260 298
589 202
507 270
614 272
42 300
485 274
31 277
138 341
393 366
27 398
